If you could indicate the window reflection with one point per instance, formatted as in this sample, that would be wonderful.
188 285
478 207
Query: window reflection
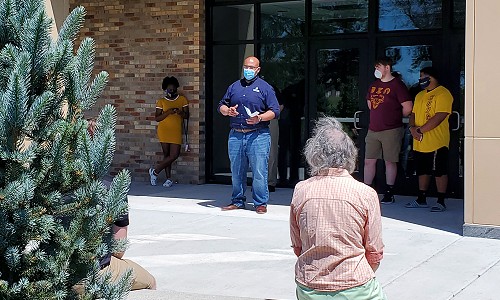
408 61
338 87
332 17
459 13
409 14
284 19
227 68
337 83
283 67
234 22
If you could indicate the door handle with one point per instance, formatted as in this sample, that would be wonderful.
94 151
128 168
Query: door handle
356 119
458 120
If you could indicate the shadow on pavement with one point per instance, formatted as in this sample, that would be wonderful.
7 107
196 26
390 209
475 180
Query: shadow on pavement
450 220
216 195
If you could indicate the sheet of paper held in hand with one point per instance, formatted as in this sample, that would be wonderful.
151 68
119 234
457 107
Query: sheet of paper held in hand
251 114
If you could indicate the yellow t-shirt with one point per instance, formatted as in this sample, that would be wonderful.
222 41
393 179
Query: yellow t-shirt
426 105
170 129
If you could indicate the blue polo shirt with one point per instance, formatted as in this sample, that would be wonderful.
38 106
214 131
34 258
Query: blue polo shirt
256 95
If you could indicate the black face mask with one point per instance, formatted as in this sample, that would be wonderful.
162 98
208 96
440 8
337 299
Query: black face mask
424 82
171 93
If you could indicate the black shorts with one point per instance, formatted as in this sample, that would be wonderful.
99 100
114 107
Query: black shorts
432 163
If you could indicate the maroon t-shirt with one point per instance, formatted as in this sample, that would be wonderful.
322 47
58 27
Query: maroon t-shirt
386 99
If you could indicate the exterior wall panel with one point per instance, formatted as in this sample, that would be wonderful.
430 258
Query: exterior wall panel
482 133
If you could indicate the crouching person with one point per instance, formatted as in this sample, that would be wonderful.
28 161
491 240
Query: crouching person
335 222
114 262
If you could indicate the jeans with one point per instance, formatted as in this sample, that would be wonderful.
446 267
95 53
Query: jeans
244 149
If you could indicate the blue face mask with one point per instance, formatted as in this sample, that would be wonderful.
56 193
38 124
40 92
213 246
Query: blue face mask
249 74
424 82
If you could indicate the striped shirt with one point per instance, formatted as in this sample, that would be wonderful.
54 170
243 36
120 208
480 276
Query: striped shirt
336 221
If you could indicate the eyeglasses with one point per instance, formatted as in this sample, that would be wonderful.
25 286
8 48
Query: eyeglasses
250 67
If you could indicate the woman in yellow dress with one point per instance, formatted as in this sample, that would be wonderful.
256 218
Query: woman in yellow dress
171 110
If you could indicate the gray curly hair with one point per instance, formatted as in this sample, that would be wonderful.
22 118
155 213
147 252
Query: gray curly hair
330 147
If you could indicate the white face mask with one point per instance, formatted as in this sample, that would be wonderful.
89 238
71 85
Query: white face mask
377 74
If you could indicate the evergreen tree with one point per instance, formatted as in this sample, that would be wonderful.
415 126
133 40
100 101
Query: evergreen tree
55 212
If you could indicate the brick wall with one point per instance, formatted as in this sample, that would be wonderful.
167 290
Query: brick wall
139 42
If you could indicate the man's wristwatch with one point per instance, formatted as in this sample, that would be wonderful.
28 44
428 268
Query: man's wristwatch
260 118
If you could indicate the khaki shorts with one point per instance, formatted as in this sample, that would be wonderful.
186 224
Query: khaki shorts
141 279
384 144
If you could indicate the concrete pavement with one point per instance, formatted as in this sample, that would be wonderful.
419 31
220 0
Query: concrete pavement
196 251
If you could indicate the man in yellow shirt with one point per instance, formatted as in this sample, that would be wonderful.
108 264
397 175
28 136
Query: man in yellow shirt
431 137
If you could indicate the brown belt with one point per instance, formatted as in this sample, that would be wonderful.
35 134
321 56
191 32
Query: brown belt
244 130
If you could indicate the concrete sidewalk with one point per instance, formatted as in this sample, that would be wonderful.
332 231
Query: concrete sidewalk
196 251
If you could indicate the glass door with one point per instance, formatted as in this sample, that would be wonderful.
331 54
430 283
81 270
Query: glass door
410 55
338 87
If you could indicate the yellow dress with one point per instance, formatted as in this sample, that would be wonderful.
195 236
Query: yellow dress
170 129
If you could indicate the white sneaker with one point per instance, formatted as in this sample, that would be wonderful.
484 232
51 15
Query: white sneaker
152 176
168 183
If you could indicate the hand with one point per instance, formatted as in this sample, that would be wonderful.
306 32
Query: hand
415 134
171 111
374 266
297 251
232 112
254 120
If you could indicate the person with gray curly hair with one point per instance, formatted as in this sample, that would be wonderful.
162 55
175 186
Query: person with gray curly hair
330 147
335 222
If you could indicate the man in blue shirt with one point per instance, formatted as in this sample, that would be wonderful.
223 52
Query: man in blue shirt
250 103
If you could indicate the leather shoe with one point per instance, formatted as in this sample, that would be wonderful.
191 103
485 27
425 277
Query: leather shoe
271 188
231 207
261 209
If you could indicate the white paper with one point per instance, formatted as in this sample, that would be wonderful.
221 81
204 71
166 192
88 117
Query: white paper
251 114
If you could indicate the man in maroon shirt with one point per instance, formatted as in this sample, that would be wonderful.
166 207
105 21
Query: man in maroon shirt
388 100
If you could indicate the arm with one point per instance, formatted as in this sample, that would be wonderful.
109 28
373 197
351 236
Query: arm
294 226
184 112
374 247
119 233
267 116
407 108
225 107
434 121
229 111
443 110
369 104
273 109
413 128
160 115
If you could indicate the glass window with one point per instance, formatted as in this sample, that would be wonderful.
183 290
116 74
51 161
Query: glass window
408 61
462 80
283 67
409 15
227 68
283 19
338 82
345 16
234 22
459 13
337 86
282 63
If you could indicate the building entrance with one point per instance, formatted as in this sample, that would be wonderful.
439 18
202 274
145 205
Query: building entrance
320 54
